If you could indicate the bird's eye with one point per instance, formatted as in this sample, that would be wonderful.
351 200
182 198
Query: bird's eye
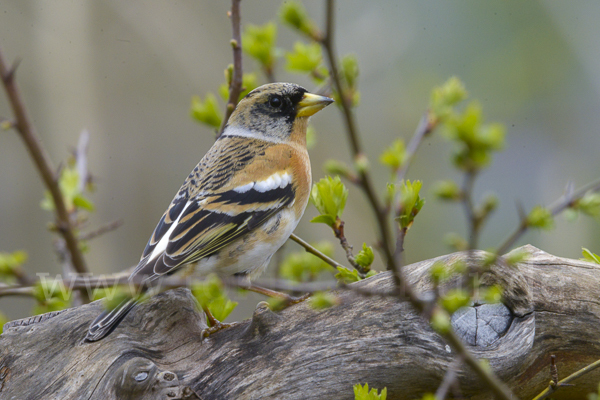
276 102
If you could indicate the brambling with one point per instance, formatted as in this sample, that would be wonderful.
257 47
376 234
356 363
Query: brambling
241 202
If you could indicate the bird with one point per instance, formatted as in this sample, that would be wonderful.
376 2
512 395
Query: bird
240 203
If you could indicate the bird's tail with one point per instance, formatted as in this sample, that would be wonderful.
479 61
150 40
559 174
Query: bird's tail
108 320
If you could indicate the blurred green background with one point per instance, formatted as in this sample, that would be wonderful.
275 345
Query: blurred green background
126 72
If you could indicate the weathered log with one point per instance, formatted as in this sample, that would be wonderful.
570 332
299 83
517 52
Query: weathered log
550 306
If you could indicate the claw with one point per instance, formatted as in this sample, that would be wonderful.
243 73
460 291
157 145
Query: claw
215 324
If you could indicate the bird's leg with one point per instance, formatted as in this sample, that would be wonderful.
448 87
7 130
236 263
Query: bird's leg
289 300
215 324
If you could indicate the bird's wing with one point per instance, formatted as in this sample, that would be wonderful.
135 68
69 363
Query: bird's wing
234 190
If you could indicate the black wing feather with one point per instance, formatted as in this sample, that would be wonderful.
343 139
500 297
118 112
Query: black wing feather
186 244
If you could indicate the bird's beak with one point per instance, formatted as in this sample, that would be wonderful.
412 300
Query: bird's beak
311 104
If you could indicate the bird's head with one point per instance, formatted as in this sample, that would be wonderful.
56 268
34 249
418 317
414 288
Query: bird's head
275 112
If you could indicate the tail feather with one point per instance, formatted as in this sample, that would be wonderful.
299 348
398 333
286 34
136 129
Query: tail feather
108 320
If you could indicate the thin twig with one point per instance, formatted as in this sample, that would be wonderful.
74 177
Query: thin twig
449 379
283 284
17 291
338 230
497 387
270 75
365 179
106 228
43 164
570 197
235 88
565 382
399 251
405 289
470 212
564 202
315 252
425 127
91 283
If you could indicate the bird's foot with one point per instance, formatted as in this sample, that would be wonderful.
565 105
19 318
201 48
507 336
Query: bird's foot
296 300
215 327
284 297
215 324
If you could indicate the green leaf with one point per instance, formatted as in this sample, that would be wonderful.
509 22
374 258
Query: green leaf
361 162
221 307
489 259
491 294
10 262
69 185
83 202
322 300
277 303
447 190
390 192
490 203
349 66
47 203
475 141
455 299
441 272
365 257
210 294
323 219
516 256
329 197
540 218
46 289
440 321
302 266
348 276
491 137
410 202
455 241
51 296
589 256
444 97
249 83
589 204
68 182
394 156
363 393
259 43
207 290
570 214
335 167
206 111
305 57
292 13
224 88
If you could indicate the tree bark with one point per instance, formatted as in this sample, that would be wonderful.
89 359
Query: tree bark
550 306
